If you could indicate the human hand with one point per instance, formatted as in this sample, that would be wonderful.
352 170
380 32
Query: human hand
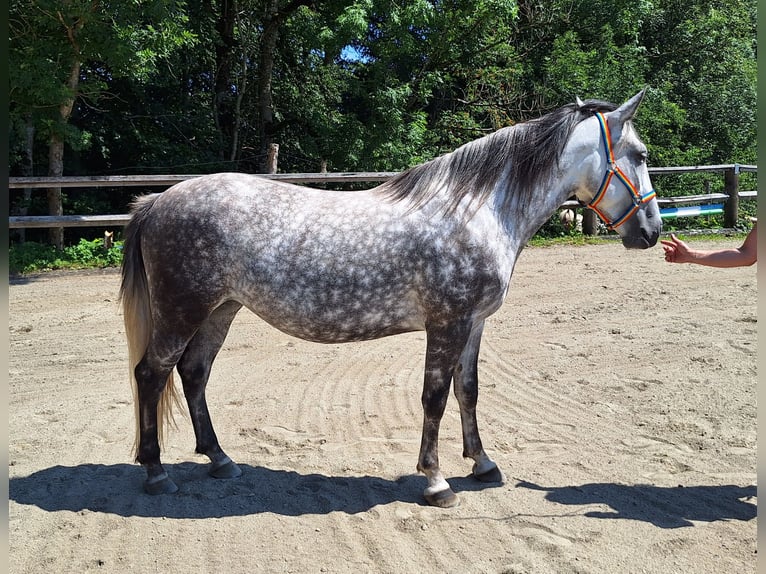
676 251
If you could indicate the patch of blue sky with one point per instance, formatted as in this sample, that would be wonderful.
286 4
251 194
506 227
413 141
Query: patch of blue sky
352 54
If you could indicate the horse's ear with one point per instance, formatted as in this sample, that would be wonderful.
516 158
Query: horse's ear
579 102
627 110
624 113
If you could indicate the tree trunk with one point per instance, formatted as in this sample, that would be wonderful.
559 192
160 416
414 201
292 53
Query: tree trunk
56 156
55 202
56 145
272 21
223 99
237 113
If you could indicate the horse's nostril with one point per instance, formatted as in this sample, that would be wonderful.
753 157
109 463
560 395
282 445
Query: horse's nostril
651 236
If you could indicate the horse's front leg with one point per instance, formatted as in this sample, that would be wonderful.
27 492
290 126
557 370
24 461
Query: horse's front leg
467 392
443 349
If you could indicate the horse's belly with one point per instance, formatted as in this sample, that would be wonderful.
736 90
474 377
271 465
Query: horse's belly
339 324
328 314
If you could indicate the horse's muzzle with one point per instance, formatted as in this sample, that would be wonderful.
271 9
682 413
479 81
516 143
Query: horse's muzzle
647 239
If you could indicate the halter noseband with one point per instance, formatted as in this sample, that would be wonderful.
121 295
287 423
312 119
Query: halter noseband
612 170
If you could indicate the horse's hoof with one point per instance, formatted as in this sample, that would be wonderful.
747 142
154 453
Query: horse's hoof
491 475
225 469
443 499
160 485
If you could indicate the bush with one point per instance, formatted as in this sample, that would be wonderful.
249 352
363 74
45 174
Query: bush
30 256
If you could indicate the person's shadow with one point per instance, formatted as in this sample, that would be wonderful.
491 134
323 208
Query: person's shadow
666 507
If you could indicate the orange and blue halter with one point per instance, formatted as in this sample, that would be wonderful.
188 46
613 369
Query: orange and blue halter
614 170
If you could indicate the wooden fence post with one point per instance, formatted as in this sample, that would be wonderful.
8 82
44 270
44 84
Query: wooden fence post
272 157
589 222
56 209
731 188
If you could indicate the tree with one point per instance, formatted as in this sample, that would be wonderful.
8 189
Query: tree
702 57
362 84
428 76
65 51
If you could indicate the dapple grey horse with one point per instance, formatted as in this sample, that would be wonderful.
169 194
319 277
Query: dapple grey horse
431 249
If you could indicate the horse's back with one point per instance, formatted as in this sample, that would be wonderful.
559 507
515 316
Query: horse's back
325 266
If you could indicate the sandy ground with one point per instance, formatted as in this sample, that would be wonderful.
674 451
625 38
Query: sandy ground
617 395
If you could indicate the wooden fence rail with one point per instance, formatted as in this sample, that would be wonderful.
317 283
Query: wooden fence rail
730 197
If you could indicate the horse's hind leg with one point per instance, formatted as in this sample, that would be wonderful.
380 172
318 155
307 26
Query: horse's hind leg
467 393
194 369
152 375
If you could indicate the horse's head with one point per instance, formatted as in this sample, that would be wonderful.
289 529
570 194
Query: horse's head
617 185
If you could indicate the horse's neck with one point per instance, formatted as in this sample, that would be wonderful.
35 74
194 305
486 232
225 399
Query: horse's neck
520 223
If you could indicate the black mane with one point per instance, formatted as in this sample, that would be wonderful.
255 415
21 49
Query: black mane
532 150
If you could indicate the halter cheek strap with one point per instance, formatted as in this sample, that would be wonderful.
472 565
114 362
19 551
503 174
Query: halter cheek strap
613 170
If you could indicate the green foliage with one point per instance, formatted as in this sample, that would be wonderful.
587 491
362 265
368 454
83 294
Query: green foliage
31 256
65 52
366 85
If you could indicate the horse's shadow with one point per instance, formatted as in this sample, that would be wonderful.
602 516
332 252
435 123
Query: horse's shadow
117 489
665 507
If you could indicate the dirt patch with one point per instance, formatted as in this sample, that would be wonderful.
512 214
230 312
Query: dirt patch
617 394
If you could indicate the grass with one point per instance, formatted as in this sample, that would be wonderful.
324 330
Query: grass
575 239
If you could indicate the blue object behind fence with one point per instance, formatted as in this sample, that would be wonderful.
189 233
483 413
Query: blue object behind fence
691 210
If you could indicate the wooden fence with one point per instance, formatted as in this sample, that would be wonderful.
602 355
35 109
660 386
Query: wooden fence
728 200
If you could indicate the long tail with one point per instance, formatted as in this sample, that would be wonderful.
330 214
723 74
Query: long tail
134 295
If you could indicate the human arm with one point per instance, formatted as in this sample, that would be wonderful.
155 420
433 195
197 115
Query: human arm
677 251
